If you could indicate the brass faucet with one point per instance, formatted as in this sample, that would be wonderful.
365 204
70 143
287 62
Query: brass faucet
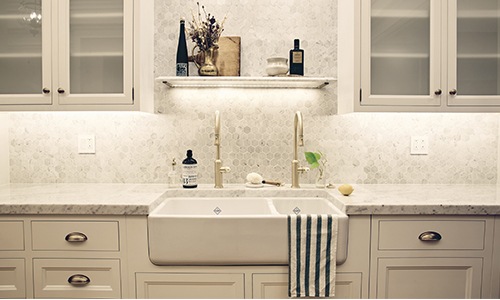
219 169
298 140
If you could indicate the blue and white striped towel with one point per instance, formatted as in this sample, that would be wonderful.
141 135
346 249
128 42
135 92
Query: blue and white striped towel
312 241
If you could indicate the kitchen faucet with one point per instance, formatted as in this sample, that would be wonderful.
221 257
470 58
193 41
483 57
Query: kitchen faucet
219 169
298 127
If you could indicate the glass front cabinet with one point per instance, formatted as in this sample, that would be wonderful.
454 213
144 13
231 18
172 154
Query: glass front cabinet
429 55
67 54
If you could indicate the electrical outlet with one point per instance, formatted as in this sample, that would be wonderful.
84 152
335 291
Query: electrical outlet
419 145
86 144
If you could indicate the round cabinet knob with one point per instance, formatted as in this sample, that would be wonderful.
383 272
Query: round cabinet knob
76 237
438 92
453 92
78 280
429 236
45 90
60 91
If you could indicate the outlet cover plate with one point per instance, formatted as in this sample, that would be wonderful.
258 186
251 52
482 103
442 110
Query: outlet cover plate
86 144
419 145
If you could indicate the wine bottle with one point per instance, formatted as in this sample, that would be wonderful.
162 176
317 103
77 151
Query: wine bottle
296 59
182 68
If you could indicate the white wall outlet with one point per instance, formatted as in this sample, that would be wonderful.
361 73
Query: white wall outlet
86 144
419 145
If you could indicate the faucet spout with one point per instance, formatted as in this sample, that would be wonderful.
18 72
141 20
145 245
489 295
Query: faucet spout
219 169
298 140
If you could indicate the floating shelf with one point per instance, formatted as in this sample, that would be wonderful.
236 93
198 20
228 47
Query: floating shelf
246 82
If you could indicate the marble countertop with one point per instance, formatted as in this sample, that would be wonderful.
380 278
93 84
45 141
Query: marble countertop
140 199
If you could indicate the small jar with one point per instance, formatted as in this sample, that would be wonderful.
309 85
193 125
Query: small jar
277 66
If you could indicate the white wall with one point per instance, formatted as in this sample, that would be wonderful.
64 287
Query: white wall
4 148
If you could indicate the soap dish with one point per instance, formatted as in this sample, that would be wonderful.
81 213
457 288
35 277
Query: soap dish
253 185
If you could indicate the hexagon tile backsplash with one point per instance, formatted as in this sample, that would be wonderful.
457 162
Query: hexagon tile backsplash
361 148
256 125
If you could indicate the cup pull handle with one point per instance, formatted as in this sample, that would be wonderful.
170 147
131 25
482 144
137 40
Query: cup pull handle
429 236
78 280
76 237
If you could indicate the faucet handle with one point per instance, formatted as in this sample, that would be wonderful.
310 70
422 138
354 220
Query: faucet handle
225 169
303 169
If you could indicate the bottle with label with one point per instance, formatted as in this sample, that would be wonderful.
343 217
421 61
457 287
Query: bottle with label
182 67
189 171
296 59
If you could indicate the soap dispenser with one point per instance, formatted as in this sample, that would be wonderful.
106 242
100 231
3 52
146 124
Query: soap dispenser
173 178
189 171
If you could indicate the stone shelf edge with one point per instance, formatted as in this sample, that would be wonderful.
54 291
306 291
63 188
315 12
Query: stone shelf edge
245 82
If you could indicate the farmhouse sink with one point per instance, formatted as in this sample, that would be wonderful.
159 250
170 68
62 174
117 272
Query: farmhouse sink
231 230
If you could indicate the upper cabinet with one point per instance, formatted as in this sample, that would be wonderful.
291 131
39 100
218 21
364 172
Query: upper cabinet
76 55
420 55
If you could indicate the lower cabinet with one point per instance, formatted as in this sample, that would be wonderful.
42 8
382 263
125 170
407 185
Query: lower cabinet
438 257
224 286
429 278
190 286
275 286
12 278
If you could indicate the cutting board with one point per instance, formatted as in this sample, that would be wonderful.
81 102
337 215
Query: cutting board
228 61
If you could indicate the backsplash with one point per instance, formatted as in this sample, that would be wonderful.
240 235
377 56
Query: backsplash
256 124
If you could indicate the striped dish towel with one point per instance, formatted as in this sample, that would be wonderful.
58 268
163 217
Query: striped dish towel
312 245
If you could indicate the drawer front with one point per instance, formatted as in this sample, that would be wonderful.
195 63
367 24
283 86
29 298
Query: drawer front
12 278
81 235
77 278
431 234
11 235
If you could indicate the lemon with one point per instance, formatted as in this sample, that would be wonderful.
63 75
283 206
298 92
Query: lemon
346 189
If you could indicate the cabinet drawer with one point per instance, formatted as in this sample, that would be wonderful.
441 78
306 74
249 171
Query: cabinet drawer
11 235
77 278
443 234
81 235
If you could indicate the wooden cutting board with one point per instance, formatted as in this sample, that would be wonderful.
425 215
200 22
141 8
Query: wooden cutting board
228 61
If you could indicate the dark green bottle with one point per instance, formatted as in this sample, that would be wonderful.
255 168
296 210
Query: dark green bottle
189 171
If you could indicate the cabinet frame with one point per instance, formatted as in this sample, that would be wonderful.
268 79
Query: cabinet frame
353 80
138 81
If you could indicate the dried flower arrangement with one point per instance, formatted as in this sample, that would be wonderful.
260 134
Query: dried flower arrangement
205 32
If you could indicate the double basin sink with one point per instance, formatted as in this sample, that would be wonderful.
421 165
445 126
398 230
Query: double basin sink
232 230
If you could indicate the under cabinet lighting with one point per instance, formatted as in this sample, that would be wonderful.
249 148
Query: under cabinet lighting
246 82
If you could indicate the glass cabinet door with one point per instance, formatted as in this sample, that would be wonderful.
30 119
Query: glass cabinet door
474 58
400 63
96 43
25 64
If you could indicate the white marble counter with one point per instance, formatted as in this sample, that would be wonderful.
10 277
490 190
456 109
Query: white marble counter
140 199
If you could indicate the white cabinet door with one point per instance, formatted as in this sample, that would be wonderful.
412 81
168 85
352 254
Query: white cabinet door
95 51
190 286
424 278
76 55
275 286
401 52
12 278
474 53
25 52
